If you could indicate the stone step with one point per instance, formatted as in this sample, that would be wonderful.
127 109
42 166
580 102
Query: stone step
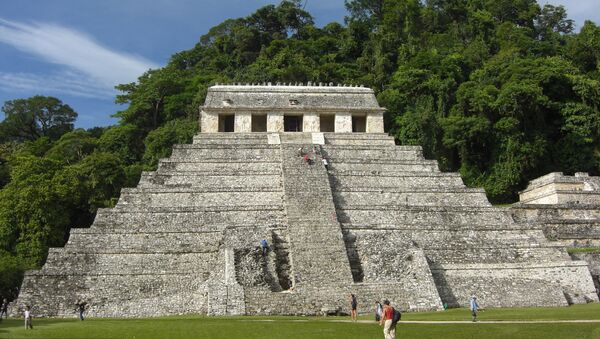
317 249
230 138
399 166
341 155
273 223
366 175
295 138
226 135
573 229
189 218
363 241
555 212
198 190
490 255
143 242
358 139
219 167
148 198
229 161
424 225
207 181
201 147
376 148
225 154
453 197
62 261
389 175
423 215
406 182
190 209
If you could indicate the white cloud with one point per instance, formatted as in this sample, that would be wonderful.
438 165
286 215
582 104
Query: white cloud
58 83
90 69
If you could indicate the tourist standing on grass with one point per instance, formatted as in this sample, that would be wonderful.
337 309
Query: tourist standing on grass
4 308
378 311
27 315
387 320
353 306
474 307
81 309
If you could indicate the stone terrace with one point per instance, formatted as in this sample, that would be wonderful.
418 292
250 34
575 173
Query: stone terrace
382 222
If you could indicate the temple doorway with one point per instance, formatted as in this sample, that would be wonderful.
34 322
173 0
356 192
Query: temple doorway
226 123
259 123
359 124
327 122
292 123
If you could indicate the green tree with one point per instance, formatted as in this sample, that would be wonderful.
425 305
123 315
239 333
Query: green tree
31 217
72 147
159 143
35 117
147 98
124 140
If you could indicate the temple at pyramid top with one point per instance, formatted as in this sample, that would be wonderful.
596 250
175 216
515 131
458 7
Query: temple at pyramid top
291 108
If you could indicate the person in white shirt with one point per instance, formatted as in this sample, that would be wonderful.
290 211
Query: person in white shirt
325 163
28 318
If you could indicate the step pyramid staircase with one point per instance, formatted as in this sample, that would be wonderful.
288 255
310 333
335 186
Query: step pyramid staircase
382 222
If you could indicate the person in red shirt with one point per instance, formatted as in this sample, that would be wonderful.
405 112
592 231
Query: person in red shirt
387 320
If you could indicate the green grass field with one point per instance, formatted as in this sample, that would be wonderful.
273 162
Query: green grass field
331 327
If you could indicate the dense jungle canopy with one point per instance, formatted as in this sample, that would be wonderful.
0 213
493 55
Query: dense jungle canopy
502 91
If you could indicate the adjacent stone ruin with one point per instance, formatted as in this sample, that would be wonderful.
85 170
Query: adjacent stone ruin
381 222
568 210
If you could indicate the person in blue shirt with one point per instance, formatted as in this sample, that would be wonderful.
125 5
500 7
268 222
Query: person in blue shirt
265 246
474 306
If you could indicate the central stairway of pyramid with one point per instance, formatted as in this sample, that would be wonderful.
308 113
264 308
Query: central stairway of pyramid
382 222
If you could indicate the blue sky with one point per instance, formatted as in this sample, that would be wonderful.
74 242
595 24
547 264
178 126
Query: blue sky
77 50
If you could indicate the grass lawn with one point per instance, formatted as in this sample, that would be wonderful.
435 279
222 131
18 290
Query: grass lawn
311 327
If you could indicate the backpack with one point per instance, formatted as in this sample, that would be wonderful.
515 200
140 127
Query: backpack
397 316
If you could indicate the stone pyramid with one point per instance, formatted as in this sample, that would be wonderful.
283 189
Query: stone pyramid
382 222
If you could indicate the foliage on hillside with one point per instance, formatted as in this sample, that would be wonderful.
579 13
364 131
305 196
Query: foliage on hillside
501 90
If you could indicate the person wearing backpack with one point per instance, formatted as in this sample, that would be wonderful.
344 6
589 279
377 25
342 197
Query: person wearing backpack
387 320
